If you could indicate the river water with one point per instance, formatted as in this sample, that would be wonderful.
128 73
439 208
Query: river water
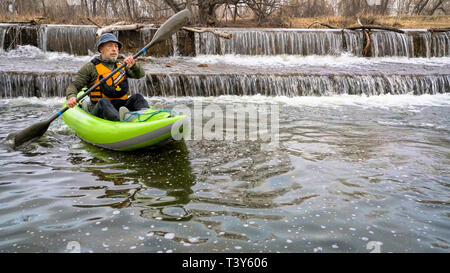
349 174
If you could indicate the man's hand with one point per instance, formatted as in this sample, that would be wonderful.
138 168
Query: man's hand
130 61
71 102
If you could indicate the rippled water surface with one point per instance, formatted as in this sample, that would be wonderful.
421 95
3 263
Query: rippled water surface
348 171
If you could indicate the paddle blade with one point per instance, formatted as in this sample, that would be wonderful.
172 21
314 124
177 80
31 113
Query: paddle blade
172 25
35 130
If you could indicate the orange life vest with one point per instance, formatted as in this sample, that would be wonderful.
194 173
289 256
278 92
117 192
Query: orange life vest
115 88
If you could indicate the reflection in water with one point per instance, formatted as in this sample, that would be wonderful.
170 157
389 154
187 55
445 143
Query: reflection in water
349 171
157 180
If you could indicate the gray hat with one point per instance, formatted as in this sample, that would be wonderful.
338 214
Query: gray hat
108 37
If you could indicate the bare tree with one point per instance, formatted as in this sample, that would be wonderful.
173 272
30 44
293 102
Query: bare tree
127 2
204 11
263 8
434 5
308 8
420 5
173 5
383 8
44 8
428 7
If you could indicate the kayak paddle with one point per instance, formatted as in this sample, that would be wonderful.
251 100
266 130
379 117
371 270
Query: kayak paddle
172 25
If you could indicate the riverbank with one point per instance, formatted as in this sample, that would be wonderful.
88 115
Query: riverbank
404 22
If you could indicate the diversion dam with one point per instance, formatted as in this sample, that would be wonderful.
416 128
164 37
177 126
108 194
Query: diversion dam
40 61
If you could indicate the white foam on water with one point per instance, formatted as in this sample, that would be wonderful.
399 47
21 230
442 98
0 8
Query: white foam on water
24 51
381 101
278 60
32 52
23 101
344 60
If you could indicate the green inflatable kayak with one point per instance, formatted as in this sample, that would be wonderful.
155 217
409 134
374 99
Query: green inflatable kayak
149 128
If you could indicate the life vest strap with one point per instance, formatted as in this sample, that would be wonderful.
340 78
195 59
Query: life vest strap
115 88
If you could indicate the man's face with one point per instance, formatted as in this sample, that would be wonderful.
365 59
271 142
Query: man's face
109 51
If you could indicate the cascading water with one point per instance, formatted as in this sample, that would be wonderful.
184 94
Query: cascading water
2 39
81 40
275 42
422 44
176 51
440 44
352 42
291 86
386 43
78 40
322 42
14 35
33 85
146 35
27 71
43 37
428 44
51 85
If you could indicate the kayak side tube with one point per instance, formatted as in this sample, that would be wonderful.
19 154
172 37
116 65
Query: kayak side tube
121 136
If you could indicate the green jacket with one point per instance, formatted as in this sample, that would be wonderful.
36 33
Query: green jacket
87 75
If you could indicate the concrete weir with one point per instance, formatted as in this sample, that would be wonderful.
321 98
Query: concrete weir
41 60
185 78
81 40
50 85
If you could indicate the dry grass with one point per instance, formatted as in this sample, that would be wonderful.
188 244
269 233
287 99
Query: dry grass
403 22
76 21
396 21
424 22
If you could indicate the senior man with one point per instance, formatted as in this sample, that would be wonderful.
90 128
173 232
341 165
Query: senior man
111 99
